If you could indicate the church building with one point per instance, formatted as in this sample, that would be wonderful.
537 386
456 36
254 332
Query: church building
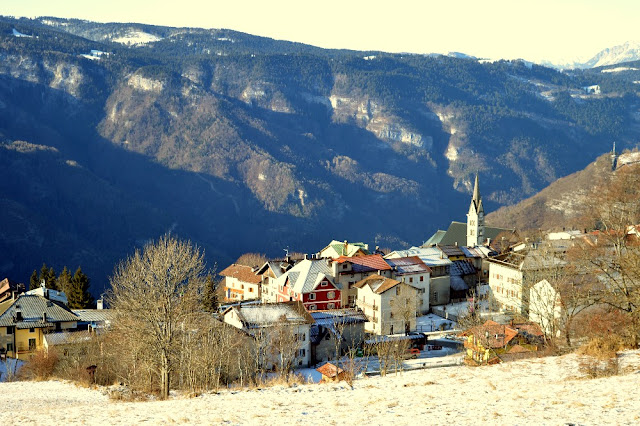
471 234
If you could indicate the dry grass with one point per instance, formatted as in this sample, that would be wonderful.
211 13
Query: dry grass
603 348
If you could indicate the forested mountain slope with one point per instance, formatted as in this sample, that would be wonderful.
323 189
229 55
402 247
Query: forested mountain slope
115 133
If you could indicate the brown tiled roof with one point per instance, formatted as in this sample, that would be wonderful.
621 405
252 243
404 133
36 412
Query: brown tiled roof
329 370
408 265
373 262
378 284
242 273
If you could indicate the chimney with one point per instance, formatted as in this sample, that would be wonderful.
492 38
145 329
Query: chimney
100 303
18 314
44 317
306 256
456 244
488 241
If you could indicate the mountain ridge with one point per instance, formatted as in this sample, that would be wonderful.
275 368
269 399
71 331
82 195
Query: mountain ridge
269 145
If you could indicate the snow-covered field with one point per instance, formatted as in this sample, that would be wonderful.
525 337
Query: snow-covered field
539 391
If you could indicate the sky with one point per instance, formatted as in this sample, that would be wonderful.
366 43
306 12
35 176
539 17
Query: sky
555 30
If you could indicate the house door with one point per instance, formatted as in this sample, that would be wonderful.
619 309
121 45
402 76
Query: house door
32 344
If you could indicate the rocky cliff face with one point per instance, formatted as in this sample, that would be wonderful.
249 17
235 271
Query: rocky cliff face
248 144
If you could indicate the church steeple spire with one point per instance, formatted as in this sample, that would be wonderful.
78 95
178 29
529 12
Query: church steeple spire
475 218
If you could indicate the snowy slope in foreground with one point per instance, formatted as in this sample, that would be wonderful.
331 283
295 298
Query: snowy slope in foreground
540 391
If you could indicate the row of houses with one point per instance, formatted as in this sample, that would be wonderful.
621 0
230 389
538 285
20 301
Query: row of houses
40 318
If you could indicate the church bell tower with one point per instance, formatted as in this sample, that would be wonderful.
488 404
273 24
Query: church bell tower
475 219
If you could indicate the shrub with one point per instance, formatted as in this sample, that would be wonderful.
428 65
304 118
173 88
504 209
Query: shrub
40 366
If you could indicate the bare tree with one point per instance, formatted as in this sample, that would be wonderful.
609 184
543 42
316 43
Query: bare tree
155 294
613 250
284 345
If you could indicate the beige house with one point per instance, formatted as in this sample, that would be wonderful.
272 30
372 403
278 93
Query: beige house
349 270
269 273
439 264
24 324
389 305
413 271
241 283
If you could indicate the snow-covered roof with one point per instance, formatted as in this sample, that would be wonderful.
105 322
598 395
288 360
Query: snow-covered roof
269 314
31 308
306 274
431 256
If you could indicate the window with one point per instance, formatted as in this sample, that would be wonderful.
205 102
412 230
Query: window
302 352
344 266
397 290
421 278
331 294
313 307
32 330
250 289
435 295
323 284
32 344
10 330
411 279
312 296
9 347
331 305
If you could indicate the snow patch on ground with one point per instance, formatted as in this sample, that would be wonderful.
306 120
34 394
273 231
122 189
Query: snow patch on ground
134 38
620 69
19 34
538 391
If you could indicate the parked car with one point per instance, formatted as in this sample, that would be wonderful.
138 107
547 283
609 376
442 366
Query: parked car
412 353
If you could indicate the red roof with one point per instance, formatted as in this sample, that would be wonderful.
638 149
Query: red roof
329 370
372 261
242 273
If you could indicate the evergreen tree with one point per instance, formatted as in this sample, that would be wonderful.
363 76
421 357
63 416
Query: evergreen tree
64 281
34 281
78 295
52 279
210 297
49 277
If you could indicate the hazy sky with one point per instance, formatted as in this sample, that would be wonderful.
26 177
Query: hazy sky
533 30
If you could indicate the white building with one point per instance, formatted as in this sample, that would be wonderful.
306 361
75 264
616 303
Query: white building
263 320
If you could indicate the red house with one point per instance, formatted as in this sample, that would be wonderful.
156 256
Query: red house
312 283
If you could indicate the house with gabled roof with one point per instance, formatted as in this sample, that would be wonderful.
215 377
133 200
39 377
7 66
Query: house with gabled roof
241 283
438 263
337 329
335 249
492 342
389 305
350 270
9 289
414 272
262 320
24 323
269 273
310 281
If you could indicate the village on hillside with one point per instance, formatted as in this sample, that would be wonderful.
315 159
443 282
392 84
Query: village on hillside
473 293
